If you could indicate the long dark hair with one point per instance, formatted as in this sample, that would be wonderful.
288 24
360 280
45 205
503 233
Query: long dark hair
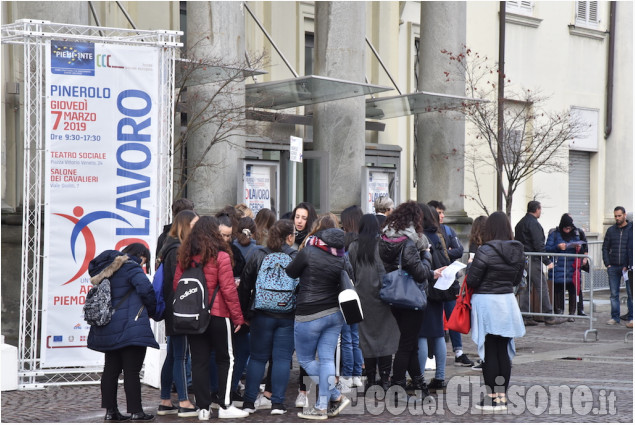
430 218
497 227
278 234
406 214
476 233
367 239
204 240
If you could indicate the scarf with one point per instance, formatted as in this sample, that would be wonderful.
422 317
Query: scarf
319 243
300 235
420 240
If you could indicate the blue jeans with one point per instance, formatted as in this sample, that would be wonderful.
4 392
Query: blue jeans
241 357
320 337
615 278
440 352
455 337
352 358
271 338
173 369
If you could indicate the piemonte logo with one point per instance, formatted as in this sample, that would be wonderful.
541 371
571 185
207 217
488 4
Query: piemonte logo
72 58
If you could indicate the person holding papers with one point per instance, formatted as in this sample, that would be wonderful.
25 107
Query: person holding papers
567 239
432 334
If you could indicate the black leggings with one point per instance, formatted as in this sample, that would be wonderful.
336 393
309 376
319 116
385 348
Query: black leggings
407 355
129 360
384 364
497 364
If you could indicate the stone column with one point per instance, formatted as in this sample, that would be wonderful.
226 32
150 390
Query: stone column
440 137
338 126
215 30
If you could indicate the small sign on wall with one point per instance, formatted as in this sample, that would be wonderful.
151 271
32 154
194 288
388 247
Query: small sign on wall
295 149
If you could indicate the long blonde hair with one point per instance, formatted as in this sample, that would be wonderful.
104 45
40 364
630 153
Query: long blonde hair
324 221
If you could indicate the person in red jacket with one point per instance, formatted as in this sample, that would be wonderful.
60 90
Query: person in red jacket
205 246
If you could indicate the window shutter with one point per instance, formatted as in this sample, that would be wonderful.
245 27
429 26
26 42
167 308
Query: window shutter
579 183
593 11
582 11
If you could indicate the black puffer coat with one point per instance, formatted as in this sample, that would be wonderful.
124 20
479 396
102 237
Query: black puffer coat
497 267
319 273
411 262
168 253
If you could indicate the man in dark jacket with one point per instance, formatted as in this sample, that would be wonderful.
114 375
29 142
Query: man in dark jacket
531 234
615 254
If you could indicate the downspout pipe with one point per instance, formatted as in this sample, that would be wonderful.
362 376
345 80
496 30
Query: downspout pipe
501 99
608 128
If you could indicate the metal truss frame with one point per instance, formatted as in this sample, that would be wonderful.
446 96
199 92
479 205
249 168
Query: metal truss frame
33 35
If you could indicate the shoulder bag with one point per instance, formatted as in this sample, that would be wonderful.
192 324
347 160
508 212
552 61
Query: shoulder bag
460 320
400 290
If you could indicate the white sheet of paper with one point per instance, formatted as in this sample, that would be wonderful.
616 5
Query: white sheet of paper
625 275
448 276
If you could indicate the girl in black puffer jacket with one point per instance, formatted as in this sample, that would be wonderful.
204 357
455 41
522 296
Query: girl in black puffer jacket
403 234
496 319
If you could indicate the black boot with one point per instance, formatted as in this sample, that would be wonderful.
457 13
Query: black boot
420 385
114 415
384 380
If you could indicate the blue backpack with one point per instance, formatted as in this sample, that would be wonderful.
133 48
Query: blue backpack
157 284
275 290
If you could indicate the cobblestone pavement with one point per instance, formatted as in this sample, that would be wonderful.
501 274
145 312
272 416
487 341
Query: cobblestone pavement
552 363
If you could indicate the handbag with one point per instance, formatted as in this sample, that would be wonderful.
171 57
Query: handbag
460 320
350 306
400 290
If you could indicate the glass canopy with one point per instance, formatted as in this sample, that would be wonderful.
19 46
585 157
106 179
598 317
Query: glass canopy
192 73
415 103
306 90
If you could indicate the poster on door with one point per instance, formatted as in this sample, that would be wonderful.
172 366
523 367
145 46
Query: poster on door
378 185
257 187
101 178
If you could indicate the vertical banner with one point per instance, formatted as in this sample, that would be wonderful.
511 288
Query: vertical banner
257 187
378 185
101 177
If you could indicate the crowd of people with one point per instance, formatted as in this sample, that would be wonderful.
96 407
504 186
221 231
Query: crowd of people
272 289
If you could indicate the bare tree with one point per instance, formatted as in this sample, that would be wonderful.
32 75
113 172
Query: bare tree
534 138
220 107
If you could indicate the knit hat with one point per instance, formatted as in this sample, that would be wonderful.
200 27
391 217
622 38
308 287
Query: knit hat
566 221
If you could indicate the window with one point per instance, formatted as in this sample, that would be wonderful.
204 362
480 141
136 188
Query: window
587 13
512 146
579 184
522 7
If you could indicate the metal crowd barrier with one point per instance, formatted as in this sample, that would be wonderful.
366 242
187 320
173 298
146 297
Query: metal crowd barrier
546 299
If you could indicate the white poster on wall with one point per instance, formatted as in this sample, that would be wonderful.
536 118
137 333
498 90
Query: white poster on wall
378 185
257 187
101 177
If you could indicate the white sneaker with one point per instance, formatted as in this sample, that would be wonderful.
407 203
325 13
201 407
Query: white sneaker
357 381
231 412
203 415
612 322
262 402
344 385
301 400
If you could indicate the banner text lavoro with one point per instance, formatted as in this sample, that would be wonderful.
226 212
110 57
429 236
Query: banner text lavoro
100 177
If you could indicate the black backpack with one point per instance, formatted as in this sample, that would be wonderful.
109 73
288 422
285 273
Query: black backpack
191 311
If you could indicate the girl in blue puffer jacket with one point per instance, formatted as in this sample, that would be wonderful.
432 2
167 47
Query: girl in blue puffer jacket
125 338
